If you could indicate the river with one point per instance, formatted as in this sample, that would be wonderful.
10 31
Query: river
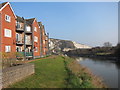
106 69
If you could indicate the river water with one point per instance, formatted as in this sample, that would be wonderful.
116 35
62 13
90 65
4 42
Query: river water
106 69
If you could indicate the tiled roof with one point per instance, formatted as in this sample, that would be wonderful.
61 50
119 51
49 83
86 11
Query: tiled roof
2 4
30 21
20 19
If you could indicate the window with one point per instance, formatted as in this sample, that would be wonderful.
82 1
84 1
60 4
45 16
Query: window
44 50
35 39
7 48
36 49
43 41
7 18
27 39
18 25
18 49
7 33
35 29
28 28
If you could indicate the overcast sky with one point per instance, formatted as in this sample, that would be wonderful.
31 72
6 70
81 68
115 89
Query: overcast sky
84 22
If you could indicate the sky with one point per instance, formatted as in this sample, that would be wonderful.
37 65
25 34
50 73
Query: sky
90 23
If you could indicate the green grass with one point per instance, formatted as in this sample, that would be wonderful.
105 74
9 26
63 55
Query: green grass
103 53
49 73
79 79
54 73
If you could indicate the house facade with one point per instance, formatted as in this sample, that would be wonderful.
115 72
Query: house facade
44 40
21 35
7 28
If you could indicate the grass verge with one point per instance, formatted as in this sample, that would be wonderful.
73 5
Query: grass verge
57 72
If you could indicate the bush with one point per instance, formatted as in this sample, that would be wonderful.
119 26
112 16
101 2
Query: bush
10 59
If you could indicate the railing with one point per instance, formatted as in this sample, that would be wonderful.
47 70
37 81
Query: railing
28 53
19 40
21 53
19 28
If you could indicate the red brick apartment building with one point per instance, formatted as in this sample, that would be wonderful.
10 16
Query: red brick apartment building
44 40
7 29
25 36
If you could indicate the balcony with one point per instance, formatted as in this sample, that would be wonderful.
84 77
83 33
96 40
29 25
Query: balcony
20 54
19 29
28 54
28 30
19 41
28 42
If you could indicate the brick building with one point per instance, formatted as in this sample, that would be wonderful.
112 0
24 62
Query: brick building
44 40
7 29
25 36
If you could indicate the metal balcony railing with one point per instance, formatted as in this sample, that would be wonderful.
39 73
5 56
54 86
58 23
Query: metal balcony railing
28 53
19 40
19 28
22 54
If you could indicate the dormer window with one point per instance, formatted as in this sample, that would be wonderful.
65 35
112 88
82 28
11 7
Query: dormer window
7 18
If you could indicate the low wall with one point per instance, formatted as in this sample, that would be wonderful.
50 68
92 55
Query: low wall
16 73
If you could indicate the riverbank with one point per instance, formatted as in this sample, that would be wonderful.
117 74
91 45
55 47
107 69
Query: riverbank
102 57
82 76
103 53
59 72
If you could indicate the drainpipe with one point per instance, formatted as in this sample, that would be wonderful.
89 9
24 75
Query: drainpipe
24 39
1 66
40 41
33 41
48 43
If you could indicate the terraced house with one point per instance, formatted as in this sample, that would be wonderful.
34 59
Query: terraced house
18 34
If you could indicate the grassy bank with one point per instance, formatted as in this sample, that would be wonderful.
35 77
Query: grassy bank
58 72
80 76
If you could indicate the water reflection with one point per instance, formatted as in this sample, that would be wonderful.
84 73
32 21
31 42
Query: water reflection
106 69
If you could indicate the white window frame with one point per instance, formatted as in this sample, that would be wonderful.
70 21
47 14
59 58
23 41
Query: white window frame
7 48
35 39
28 28
7 18
36 49
7 33
43 41
35 29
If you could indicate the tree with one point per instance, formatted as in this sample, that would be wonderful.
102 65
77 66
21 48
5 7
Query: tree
107 44
117 51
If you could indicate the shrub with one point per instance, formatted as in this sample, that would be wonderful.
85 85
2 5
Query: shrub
10 59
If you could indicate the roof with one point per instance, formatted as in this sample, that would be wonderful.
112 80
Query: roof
20 19
2 4
30 21
40 23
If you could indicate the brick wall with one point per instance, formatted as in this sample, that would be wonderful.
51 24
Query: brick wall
16 73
